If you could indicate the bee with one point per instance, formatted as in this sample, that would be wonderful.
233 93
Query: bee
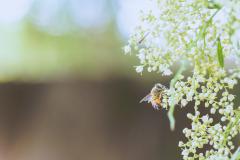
155 96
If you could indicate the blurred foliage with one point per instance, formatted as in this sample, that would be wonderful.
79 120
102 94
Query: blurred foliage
28 52
52 40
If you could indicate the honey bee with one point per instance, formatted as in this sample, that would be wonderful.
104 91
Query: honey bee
155 96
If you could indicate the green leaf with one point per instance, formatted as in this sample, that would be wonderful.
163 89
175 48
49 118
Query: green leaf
236 155
220 53
213 5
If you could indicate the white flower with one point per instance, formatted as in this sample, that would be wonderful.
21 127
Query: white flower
142 55
149 69
127 49
167 72
190 116
139 69
217 127
213 110
180 144
223 119
229 109
230 97
221 111
205 119
190 95
185 152
200 78
184 102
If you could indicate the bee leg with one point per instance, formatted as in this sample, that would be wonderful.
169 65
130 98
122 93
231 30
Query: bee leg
155 106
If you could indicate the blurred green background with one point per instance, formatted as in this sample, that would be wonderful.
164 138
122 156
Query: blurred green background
45 39
69 93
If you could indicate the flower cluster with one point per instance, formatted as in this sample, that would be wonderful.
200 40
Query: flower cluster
186 29
205 33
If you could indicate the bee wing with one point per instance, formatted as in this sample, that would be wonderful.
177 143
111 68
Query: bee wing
147 98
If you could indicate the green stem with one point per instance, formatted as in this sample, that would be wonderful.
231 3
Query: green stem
236 155
229 126
172 105
202 33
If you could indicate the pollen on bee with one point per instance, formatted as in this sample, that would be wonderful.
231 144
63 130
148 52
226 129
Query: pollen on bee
157 101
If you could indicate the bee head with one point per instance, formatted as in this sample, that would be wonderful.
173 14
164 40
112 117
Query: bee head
157 89
159 86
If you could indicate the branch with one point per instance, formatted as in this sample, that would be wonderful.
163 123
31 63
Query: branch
172 104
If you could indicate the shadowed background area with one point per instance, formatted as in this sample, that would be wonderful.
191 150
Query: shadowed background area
67 90
83 119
